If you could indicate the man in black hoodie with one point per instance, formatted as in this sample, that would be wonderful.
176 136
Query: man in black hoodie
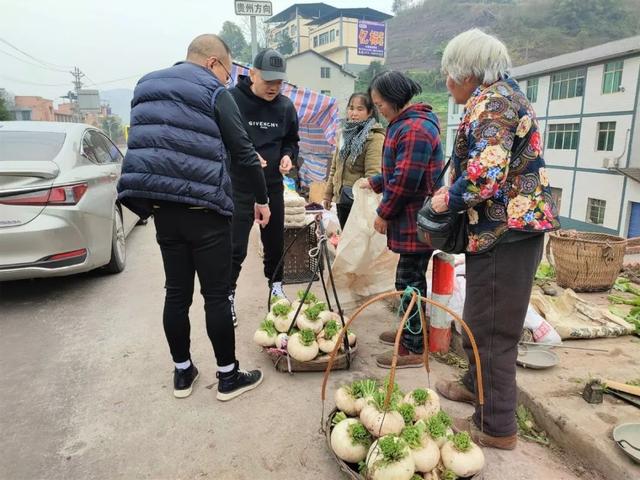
271 121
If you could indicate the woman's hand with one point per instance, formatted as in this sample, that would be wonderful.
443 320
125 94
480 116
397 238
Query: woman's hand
365 185
326 204
380 225
439 202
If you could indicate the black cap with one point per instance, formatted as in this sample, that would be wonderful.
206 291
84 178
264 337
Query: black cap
272 65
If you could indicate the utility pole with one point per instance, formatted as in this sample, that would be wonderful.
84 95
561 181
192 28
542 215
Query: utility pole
77 84
254 37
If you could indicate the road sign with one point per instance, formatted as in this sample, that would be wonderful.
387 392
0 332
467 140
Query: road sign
254 8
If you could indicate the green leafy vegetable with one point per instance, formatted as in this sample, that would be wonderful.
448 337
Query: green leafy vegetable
408 412
269 327
360 435
307 337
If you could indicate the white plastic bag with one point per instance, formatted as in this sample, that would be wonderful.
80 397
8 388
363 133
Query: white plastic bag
363 266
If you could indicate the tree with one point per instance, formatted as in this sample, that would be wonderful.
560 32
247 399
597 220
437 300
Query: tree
398 6
365 76
5 114
232 34
285 44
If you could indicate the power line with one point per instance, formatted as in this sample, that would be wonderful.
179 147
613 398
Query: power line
43 62
34 83
32 63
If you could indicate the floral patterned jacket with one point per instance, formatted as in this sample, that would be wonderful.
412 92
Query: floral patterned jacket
500 194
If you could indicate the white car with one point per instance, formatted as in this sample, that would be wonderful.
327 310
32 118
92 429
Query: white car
59 213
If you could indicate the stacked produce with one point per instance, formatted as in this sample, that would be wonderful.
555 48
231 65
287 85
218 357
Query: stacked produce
294 211
410 439
315 333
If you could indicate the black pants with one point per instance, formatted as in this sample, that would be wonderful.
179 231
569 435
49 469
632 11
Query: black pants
343 210
498 289
196 241
412 272
272 235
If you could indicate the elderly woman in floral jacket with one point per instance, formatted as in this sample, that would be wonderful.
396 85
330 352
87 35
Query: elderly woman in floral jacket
509 207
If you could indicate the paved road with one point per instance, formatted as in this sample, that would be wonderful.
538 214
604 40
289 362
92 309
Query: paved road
86 389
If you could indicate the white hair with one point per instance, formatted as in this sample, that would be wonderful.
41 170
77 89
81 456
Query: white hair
475 54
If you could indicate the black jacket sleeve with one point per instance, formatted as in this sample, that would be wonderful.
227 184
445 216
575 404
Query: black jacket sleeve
238 143
291 138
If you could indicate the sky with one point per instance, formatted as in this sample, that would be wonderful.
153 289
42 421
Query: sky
108 40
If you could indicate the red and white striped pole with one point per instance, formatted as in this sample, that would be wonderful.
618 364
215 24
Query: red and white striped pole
441 290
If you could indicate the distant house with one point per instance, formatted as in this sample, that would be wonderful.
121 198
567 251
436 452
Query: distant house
587 103
332 32
319 73
27 107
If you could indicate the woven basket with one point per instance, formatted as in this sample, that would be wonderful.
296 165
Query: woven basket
351 470
586 261
299 266
318 364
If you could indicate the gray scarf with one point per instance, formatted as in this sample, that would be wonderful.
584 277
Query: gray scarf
354 136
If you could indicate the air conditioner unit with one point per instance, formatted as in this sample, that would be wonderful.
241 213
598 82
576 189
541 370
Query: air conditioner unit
610 163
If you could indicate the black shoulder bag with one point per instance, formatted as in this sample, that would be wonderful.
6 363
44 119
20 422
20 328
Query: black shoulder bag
447 231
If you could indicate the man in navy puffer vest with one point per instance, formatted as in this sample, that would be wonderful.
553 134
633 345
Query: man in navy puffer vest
186 132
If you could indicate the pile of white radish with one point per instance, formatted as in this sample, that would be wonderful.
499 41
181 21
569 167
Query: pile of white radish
315 332
409 439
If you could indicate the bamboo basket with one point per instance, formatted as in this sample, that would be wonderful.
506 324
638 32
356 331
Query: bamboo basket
319 364
351 470
586 261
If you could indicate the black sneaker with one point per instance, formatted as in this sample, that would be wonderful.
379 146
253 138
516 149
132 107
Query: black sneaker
232 300
183 380
235 383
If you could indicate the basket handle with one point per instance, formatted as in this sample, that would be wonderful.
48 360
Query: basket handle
548 253
377 298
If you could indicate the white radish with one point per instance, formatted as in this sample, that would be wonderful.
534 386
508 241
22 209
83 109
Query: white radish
328 337
425 452
462 456
280 316
425 400
326 316
265 336
280 301
350 440
380 423
304 321
302 346
345 401
438 427
389 458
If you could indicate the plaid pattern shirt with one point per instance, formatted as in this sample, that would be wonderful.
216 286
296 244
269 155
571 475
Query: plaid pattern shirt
411 161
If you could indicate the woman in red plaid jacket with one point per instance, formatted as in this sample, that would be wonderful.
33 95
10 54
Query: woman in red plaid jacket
411 161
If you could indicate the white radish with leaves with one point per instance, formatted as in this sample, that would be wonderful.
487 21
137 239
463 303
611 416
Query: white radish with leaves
265 336
328 337
350 441
425 452
381 421
302 345
438 427
279 315
363 391
279 301
345 400
309 318
389 458
425 400
462 456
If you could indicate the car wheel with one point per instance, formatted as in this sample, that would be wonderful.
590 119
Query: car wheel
118 246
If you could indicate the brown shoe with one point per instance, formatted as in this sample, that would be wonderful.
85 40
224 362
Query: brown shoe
455 391
406 359
484 439
388 337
